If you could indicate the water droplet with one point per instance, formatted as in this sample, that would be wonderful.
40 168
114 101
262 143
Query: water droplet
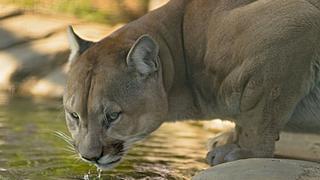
86 177
99 173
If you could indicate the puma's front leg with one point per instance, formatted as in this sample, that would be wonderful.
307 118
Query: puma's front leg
256 130
261 103
244 143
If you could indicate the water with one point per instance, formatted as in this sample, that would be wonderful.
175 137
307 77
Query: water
29 149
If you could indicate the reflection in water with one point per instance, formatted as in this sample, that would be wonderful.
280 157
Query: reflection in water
29 149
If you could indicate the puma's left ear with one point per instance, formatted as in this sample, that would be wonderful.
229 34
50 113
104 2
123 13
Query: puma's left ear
77 45
143 55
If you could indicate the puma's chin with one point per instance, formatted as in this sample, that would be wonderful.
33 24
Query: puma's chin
108 164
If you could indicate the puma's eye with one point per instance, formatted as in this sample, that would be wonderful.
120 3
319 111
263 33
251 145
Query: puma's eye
113 116
74 115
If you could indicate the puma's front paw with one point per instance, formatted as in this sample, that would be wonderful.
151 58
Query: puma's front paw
227 153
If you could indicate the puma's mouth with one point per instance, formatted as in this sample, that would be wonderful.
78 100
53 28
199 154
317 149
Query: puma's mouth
108 163
105 162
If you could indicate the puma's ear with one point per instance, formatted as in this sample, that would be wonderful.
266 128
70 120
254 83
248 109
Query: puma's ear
77 45
143 56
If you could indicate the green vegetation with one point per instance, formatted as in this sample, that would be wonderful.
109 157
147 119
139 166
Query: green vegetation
81 9
22 3
111 11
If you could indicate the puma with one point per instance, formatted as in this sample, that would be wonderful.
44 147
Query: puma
255 62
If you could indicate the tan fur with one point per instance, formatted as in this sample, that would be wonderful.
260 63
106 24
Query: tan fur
250 61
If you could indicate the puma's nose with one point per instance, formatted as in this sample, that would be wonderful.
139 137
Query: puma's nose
90 147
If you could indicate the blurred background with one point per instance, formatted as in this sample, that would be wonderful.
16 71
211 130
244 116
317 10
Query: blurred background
33 43
33 56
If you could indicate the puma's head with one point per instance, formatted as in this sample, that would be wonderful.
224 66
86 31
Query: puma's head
114 95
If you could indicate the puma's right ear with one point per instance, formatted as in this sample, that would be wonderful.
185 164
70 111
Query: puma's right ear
143 55
77 45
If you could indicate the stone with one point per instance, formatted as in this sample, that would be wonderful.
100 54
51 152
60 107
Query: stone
33 59
8 11
50 86
299 146
262 169
23 28
154 4
35 68
93 32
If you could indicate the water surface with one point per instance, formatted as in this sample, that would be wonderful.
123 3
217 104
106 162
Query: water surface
29 149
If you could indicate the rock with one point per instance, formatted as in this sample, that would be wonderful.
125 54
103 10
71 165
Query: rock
218 125
19 29
154 4
262 169
35 67
8 11
50 86
34 59
93 32
299 146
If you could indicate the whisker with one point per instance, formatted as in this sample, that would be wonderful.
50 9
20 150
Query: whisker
126 147
75 158
64 137
68 150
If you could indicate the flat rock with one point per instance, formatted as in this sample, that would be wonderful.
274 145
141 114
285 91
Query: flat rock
36 58
8 11
23 28
50 86
34 50
262 169
154 4
299 146
93 32
36 66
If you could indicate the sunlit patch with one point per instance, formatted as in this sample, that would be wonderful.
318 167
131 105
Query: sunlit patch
48 87
3 170
2 143
8 66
